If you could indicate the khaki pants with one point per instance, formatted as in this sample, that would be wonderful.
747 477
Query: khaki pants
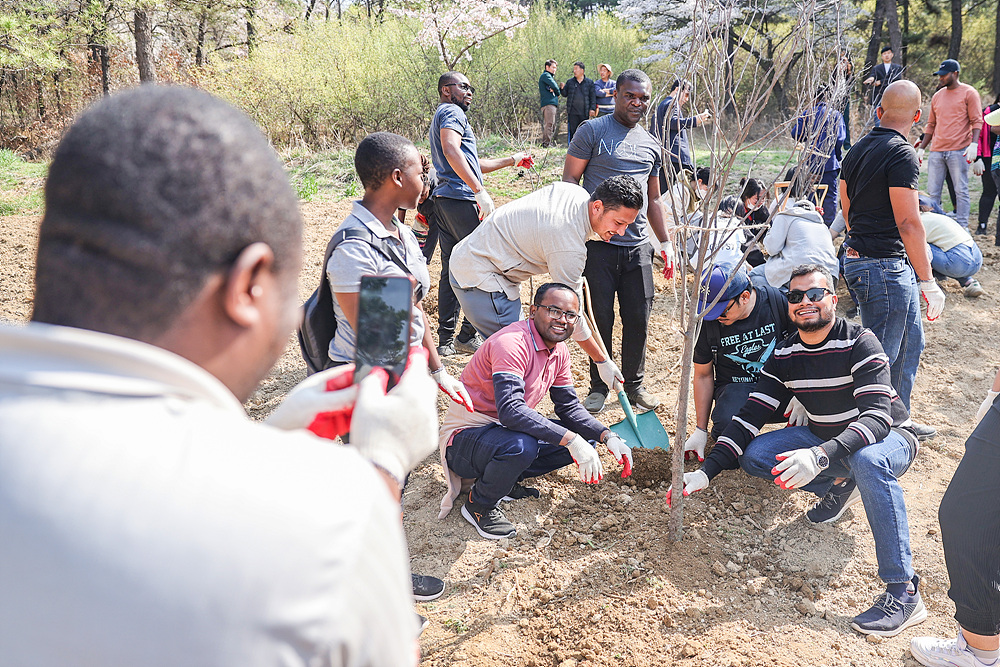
549 113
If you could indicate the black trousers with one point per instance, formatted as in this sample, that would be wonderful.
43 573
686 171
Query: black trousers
625 271
457 218
988 198
970 530
574 121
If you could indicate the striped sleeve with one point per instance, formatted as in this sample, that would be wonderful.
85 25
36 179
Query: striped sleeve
769 393
873 394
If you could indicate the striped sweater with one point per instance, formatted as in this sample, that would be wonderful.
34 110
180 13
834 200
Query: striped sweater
843 383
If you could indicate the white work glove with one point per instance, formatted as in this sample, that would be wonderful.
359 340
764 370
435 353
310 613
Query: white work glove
970 152
326 397
796 414
934 297
987 403
398 430
453 388
587 460
668 254
693 481
920 155
621 452
696 443
796 468
978 168
486 205
610 374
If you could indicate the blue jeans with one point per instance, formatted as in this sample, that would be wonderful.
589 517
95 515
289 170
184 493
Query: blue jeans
729 399
954 163
961 262
497 458
488 312
888 298
876 470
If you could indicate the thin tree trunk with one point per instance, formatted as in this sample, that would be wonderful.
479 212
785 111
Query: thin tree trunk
875 41
143 31
309 9
955 45
904 56
892 23
251 9
675 524
199 52
40 93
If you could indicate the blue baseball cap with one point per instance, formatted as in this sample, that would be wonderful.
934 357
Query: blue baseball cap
712 283
948 66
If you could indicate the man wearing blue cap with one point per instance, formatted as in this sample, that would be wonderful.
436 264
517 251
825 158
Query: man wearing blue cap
737 336
952 132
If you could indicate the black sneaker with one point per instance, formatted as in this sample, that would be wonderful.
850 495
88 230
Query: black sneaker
426 588
519 492
446 349
923 431
834 503
490 522
889 616
981 229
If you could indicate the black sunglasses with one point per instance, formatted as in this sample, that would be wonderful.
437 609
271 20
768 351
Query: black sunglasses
467 87
556 313
814 294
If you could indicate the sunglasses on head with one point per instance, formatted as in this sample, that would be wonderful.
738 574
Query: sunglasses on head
814 294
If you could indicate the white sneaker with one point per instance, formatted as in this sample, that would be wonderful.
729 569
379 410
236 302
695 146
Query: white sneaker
935 652
973 289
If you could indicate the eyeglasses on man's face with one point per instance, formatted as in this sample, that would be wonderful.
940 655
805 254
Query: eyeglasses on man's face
466 87
814 294
558 313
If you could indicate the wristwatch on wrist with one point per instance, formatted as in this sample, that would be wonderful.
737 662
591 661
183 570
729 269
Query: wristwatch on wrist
822 460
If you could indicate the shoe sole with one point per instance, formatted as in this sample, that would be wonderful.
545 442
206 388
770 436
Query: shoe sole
465 348
926 436
931 659
919 616
972 294
852 499
428 598
483 533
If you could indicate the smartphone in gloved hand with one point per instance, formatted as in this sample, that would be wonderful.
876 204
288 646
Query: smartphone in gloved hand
385 310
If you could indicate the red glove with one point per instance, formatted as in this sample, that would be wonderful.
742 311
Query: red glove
338 422
527 161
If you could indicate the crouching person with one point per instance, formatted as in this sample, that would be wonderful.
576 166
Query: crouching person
487 454
856 446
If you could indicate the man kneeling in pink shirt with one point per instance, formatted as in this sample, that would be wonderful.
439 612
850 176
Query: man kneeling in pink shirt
489 453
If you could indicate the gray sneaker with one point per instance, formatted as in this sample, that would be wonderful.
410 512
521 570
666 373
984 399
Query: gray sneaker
468 346
594 403
973 289
923 431
446 349
641 398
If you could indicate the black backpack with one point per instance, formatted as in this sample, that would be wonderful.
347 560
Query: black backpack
319 324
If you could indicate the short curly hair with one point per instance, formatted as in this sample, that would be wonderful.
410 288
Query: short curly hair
620 191
152 192
378 155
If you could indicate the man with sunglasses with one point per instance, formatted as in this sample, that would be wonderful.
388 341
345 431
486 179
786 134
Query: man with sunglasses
858 442
738 335
460 197
487 454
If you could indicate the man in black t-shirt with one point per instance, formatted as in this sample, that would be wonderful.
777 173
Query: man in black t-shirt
738 335
878 188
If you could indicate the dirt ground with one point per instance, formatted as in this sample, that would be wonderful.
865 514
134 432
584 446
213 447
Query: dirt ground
590 578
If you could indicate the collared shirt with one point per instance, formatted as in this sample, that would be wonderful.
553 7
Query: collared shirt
354 258
147 521
519 350
543 232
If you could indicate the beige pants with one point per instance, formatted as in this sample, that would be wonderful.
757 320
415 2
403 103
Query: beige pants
549 113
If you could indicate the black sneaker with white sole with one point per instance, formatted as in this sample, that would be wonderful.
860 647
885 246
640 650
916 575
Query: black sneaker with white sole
923 431
889 615
836 501
519 492
490 522
426 588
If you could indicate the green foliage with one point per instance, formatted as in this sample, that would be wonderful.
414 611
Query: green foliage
20 184
31 38
456 624
331 84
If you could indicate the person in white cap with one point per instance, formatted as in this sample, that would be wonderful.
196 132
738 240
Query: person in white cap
952 132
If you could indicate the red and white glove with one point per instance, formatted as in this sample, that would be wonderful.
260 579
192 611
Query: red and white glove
486 205
920 155
696 444
612 377
453 388
398 430
587 460
668 255
795 468
970 152
978 168
323 403
796 414
622 453
934 297
524 160
693 481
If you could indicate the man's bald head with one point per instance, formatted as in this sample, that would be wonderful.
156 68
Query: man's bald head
900 103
